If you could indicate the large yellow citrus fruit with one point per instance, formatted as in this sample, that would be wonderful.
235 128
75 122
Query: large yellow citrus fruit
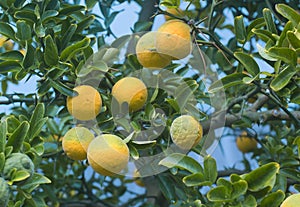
291 201
108 154
147 54
246 144
132 91
86 105
175 11
76 141
186 131
174 39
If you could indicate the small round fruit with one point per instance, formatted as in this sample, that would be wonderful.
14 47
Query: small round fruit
7 44
76 141
174 39
4 193
19 161
291 201
147 54
186 132
108 155
246 144
86 105
132 91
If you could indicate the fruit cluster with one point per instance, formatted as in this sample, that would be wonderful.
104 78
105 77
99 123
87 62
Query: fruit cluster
153 51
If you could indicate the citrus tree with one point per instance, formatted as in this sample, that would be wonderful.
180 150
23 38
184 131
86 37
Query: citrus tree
114 113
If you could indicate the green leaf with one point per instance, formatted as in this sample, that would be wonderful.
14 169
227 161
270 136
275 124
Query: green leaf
29 56
68 35
17 137
283 78
3 132
51 53
239 28
248 62
141 26
20 175
265 35
263 53
90 4
134 153
181 161
12 55
37 121
261 177
34 181
256 23
170 3
26 15
295 97
85 23
71 9
49 14
250 201
239 188
285 54
269 20
226 82
219 194
62 88
7 31
196 179
210 169
71 50
165 187
2 161
23 31
288 27
273 199
9 66
288 13
293 39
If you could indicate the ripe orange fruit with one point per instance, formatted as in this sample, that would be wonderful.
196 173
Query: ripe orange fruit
291 201
76 141
186 132
108 154
147 54
174 39
86 105
132 91
246 144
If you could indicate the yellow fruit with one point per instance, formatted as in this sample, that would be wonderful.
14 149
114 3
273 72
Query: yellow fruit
175 11
174 39
246 144
132 91
291 201
76 141
7 44
186 131
147 54
86 105
108 154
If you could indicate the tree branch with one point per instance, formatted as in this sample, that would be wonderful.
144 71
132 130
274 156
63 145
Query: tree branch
263 116
148 10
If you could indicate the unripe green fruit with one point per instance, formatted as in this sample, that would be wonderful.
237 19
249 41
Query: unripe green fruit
4 193
18 161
